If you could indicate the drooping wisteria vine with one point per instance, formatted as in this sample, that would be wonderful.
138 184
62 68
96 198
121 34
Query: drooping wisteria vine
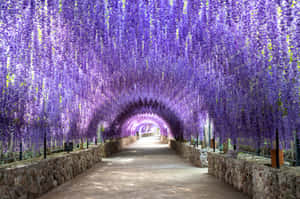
68 65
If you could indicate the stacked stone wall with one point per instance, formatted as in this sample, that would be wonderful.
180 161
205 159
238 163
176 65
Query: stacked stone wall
147 134
256 180
164 140
195 155
114 146
29 180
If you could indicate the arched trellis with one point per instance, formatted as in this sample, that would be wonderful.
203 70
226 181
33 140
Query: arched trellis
138 121
64 63
145 127
142 106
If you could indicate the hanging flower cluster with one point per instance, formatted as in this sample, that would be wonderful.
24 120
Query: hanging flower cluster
66 65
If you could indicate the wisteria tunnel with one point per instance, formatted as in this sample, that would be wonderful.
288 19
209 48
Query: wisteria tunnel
89 81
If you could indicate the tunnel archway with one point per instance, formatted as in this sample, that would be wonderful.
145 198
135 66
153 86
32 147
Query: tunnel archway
144 123
70 69
150 109
67 65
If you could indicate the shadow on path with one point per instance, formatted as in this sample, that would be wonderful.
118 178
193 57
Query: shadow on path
145 169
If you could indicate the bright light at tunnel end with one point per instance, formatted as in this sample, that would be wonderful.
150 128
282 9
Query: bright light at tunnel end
135 123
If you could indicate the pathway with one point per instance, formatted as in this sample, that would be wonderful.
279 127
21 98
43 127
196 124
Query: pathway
148 170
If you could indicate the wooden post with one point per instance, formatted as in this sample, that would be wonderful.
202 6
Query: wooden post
209 135
225 146
11 145
258 149
45 144
21 151
204 139
297 149
214 143
277 154
1 150
81 143
277 150
234 145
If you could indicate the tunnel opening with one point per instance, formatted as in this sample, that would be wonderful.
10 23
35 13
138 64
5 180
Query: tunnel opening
145 124
74 71
137 114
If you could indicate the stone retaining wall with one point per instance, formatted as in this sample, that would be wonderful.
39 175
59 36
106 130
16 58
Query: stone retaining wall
114 146
29 180
164 140
196 156
254 179
147 134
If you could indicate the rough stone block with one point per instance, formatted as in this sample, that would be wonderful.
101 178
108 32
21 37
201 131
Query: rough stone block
194 155
30 181
254 179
